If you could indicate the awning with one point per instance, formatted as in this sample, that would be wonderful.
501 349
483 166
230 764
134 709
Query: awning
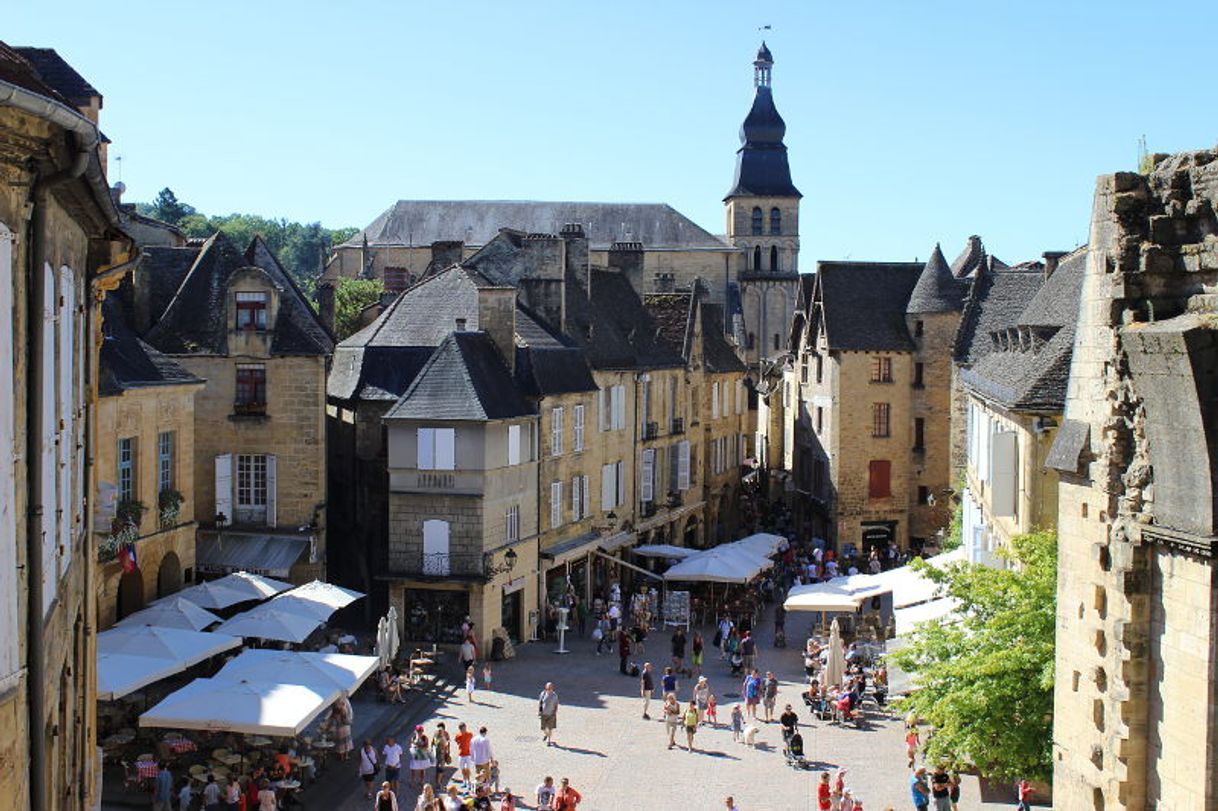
839 594
664 550
271 555
173 612
1065 455
119 674
719 565
572 548
265 622
617 540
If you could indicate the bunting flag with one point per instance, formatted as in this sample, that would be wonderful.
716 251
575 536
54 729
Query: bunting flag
126 556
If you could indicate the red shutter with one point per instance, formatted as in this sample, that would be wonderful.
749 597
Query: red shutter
878 480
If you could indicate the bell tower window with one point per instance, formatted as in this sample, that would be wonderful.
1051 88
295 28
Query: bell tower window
775 221
757 221
774 257
757 258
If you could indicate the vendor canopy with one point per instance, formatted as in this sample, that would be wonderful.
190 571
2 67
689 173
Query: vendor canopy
265 622
839 594
944 608
664 550
238 587
316 600
119 674
172 612
250 707
763 543
129 658
719 565
344 671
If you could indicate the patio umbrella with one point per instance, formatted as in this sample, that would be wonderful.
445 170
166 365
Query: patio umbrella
664 550
835 668
763 543
265 622
211 594
253 708
255 586
316 599
344 671
382 643
173 612
185 648
719 565
120 674
394 640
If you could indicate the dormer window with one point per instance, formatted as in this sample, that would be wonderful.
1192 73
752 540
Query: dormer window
251 311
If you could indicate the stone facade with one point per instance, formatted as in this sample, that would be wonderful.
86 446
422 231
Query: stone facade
1136 714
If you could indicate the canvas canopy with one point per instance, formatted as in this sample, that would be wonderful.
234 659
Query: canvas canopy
212 594
664 550
909 617
249 707
265 622
119 674
839 594
132 657
344 671
317 600
173 612
719 565
763 543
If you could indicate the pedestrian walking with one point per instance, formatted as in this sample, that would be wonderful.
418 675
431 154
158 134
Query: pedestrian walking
232 795
391 753
465 761
483 753
386 799
919 792
420 757
911 744
341 716
441 743
954 790
752 693
1024 792
600 634
426 800
729 804
623 650
452 799
702 698
647 687
544 795
486 676
547 709
368 767
824 794
467 653
162 791
941 789
748 651
712 710
691 725
697 654
186 796
267 801
678 650
668 682
567 797
769 695
211 794
721 636
470 685
672 718
737 723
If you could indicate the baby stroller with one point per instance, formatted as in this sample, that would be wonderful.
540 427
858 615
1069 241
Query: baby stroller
793 751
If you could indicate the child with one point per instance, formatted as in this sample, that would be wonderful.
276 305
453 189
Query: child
1025 795
486 676
911 744
711 714
737 723
508 803
494 780
469 684
823 793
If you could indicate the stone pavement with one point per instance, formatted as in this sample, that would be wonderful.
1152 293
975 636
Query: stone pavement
619 761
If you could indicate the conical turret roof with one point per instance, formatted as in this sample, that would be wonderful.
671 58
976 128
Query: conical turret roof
937 290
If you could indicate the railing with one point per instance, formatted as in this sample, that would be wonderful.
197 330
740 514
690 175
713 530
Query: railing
678 425
439 564
249 409
651 430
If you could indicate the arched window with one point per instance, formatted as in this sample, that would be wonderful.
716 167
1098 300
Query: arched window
774 257
775 221
757 258
757 221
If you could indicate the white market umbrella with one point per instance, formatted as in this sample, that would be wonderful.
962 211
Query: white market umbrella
265 622
718 566
172 612
382 643
316 599
821 600
943 609
211 594
119 674
256 586
835 668
394 640
249 707
185 648
664 550
344 671
763 543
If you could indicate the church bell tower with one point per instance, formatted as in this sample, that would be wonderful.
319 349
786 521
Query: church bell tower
763 221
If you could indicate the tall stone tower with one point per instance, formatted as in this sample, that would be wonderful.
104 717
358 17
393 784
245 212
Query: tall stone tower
763 219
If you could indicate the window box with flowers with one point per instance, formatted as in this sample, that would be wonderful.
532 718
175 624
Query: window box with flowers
124 529
169 507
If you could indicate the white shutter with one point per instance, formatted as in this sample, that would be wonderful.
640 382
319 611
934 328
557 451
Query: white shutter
556 504
621 483
586 494
577 429
648 476
608 483
714 401
556 432
49 459
575 514
513 445
446 448
272 476
67 416
224 486
619 407
602 409
9 644
683 465
425 451
1004 473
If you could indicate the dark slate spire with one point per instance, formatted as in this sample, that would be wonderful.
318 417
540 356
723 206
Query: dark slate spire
937 290
761 163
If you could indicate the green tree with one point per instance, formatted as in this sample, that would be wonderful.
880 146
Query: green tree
351 296
167 208
985 683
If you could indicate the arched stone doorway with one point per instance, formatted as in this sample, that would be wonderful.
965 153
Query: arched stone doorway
169 575
130 593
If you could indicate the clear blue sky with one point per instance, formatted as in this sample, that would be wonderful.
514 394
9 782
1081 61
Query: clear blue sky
908 122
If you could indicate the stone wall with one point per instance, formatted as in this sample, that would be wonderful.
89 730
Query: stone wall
931 467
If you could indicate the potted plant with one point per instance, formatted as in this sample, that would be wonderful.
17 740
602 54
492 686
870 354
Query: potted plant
169 507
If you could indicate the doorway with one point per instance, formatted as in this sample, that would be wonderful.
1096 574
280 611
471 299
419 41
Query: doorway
130 593
513 613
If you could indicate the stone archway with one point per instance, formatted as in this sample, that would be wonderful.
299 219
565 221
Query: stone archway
169 575
130 594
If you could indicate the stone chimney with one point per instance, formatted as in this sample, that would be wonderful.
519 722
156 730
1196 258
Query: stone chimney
444 254
627 258
543 259
576 242
1051 259
497 318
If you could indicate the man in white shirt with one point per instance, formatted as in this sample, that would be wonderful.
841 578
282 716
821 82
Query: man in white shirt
545 795
211 794
482 753
392 753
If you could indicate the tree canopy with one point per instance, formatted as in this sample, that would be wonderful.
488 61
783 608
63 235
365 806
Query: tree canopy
351 296
985 683
299 246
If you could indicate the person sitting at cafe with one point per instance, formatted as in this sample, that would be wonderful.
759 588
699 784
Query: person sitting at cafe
279 768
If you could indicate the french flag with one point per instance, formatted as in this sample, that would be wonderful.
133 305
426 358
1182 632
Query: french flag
127 557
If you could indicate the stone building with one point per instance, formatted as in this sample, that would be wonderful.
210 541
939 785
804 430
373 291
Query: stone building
145 468
1019 324
238 321
752 271
867 402
60 248
1135 711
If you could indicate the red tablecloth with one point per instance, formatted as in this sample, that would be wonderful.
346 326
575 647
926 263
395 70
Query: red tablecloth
146 769
180 745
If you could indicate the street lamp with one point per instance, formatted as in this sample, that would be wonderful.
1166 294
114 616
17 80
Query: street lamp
509 563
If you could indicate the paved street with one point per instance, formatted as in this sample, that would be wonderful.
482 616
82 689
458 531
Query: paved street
619 761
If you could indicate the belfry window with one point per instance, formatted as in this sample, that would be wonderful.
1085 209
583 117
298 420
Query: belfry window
775 221
773 257
757 221
757 258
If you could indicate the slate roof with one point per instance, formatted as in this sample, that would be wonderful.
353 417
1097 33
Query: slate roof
762 169
995 300
862 304
54 70
763 53
126 362
465 379
194 321
18 70
938 290
162 270
476 222
553 370
612 326
717 353
1031 367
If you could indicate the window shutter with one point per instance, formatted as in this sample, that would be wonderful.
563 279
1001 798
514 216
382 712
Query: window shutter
224 486
435 547
555 504
674 467
683 465
67 415
47 382
575 515
1003 475
608 485
425 451
648 476
619 407
714 401
621 483
587 497
879 484
272 518
577 429
556 431
446 448
9 644
602 409
513 444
